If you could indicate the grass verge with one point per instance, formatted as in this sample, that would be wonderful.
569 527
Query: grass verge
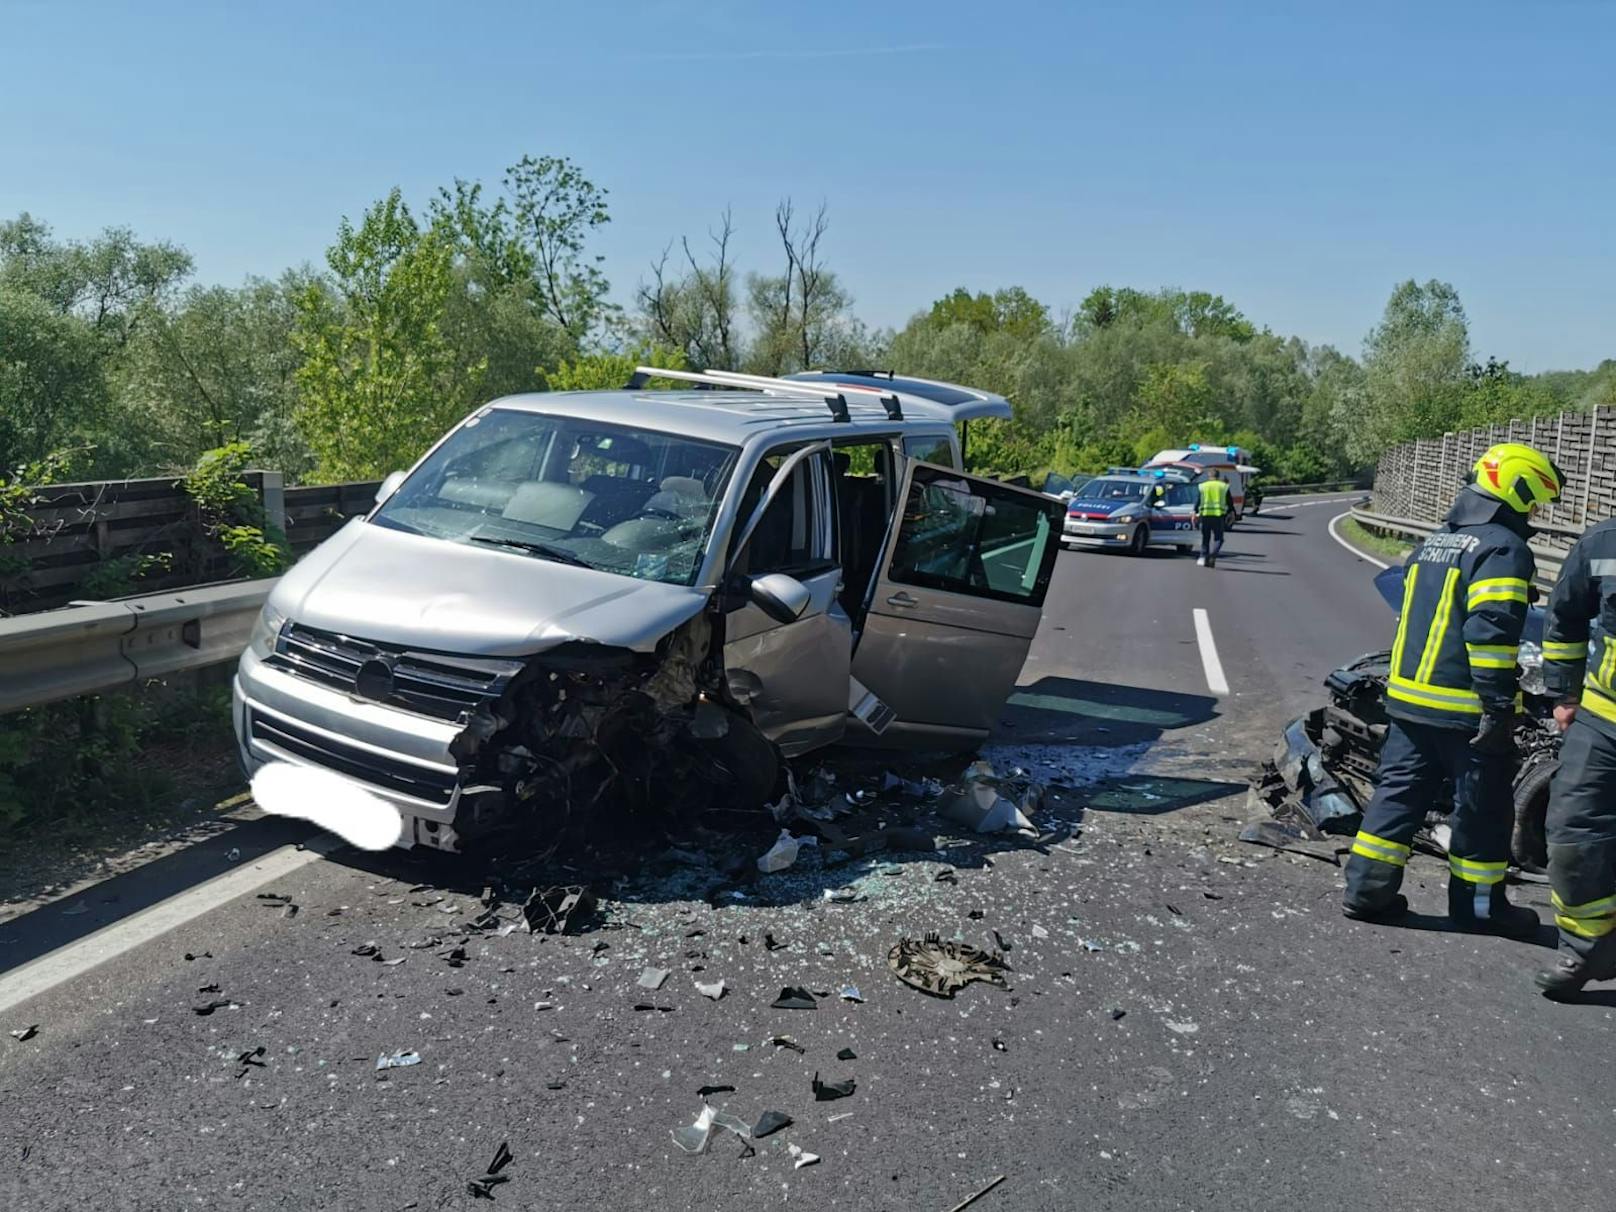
1384 546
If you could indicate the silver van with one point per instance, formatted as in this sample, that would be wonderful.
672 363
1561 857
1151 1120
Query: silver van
653 596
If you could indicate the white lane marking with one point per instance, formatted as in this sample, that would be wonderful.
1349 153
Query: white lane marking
1362 555
1215 681
75 959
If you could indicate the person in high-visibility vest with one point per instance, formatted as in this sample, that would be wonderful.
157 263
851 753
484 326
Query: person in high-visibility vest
1579 667
1452 698
1211 511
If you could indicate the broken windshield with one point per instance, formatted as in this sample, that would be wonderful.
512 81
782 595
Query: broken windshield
634 502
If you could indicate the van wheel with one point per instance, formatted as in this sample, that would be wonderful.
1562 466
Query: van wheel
1139 540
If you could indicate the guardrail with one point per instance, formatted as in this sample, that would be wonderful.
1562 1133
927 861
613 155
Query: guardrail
1290 490
1549 559
98 646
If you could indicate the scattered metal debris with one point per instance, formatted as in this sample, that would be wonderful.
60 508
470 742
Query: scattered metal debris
943 968
1282 835
980 801
25 1034
398 1060
560 910
483 1188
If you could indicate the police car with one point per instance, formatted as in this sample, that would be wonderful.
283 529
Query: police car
1132 510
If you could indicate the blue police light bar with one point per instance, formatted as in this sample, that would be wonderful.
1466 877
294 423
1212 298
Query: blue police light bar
1160 474
1232 450
1195 446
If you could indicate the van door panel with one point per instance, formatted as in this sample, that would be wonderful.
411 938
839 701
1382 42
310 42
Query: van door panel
957 602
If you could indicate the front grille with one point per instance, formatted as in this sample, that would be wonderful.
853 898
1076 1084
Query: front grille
379 770
439 685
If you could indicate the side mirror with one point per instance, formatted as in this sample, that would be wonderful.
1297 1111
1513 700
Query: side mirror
783 598
389 486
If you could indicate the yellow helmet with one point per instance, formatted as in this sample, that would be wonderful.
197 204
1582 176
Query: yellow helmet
1519 476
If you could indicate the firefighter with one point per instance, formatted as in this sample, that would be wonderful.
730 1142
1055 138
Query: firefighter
1452 700
1211 509
1582 799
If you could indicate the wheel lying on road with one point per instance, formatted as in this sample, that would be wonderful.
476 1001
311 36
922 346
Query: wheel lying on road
1139 540
1528 845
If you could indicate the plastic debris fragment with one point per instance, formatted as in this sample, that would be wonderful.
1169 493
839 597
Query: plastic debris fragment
802 1157
846 1054
560 910
781 855
706 1090
826 1092
771 1122
25 1034
785 1041
696 1137
714 990
652 978
980 802
943 968
398 1060
483 1188
850 993
794 997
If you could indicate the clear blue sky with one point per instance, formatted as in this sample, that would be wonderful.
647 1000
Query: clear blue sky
1297 158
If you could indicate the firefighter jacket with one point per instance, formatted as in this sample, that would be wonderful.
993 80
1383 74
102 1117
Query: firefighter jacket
1213 499
1579 639
1464 605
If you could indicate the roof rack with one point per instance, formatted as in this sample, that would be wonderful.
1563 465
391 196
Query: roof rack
835 400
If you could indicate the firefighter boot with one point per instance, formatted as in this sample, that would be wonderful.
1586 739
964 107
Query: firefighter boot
1571 972
1387 911
1484 909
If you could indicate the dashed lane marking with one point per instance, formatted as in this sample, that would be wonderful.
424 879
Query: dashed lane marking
1215 681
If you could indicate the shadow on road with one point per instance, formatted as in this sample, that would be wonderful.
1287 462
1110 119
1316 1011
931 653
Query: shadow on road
31 935
1056 710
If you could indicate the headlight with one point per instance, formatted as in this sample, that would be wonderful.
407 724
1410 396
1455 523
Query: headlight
265 631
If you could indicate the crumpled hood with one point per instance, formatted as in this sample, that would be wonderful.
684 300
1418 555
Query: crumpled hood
379 584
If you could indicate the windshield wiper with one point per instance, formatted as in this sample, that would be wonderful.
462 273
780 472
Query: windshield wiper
543 550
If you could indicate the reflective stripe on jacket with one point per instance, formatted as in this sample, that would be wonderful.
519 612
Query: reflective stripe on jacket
1464 605
1214 499
1579 640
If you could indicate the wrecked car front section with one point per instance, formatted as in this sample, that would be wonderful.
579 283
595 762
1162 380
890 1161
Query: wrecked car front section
587 727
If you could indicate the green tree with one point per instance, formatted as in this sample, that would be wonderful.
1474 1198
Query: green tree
1414 369
379 381
612 371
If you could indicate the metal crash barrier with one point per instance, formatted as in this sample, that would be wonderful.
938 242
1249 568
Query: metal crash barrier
98 646
1549 559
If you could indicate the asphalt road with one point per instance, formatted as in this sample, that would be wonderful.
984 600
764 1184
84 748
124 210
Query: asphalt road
1189 1023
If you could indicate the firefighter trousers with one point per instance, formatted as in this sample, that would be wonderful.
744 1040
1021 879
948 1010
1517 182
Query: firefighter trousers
1582 844
1417 762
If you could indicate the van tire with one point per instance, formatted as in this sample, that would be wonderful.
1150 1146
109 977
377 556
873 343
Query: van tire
1528 845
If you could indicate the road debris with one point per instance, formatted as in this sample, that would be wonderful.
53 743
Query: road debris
25 1034
653 978
398 1060
253 1058
560 910
785 1041
781 855
769 1122
770 945
1292 838
846 1054
794 997
483 1188
801 1157
207 1008
367 950
704 1091
971 1199
715 991
825 1092
980 801
943 968
850 993
696 1137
